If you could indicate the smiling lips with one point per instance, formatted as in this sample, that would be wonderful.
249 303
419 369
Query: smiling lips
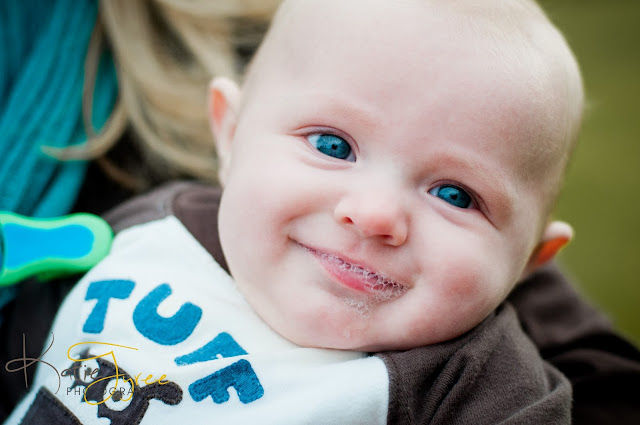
358 278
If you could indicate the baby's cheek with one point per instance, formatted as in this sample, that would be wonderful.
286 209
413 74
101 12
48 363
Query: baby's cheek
469 293
463 283
459 274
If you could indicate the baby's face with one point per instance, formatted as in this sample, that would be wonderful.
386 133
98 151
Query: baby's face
374 197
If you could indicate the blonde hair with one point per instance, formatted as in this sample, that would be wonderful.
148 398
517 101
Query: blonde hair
524 26
166 52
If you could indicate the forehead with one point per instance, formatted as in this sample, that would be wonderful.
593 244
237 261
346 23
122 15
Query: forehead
405 58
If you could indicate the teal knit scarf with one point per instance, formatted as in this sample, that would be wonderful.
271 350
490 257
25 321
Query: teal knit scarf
44 44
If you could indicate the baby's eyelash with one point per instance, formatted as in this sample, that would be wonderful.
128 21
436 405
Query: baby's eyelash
332 145
453 195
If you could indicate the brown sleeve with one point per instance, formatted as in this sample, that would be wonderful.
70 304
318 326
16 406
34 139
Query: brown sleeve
493 374
604 368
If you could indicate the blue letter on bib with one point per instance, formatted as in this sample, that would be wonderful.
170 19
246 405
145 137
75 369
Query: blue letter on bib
165 330
103 291
239 375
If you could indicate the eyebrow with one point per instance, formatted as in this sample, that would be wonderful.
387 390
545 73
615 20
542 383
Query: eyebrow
341 107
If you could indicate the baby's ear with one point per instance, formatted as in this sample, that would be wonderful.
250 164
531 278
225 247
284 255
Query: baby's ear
555 237
224 96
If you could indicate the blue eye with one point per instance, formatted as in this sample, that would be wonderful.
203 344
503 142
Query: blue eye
453 195
332 145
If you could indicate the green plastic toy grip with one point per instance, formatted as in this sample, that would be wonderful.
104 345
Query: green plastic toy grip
50 247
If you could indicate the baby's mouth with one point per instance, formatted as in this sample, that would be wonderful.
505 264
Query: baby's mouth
378 287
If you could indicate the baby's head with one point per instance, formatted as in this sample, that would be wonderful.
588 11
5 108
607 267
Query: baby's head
389 166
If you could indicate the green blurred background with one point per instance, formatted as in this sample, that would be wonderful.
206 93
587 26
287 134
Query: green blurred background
601 198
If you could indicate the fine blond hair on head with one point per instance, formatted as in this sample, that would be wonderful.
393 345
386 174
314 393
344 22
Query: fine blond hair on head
521 33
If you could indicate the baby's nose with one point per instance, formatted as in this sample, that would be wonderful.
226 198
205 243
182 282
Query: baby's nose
375 214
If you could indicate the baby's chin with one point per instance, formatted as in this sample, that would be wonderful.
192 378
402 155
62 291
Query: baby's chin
352 337
339 323
317 333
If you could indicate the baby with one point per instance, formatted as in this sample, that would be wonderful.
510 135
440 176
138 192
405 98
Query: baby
388 172
395 158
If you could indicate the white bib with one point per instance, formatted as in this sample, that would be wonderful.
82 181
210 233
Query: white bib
187 349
